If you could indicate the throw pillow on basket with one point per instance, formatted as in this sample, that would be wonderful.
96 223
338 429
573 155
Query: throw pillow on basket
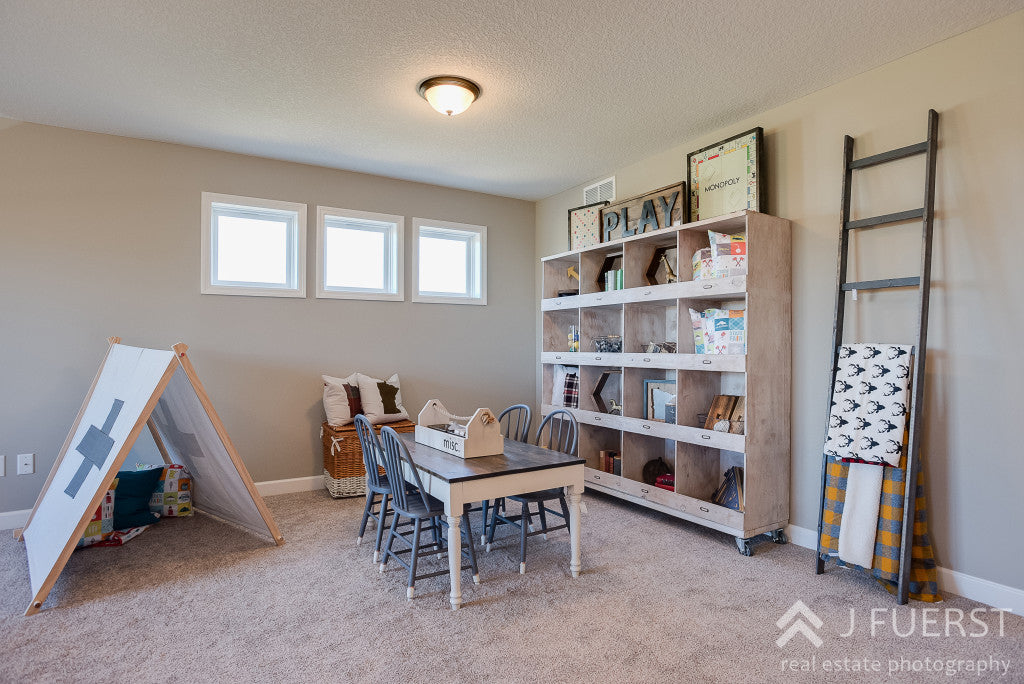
381 399
341 399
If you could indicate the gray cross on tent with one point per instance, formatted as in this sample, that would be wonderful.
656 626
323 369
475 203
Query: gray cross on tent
95 448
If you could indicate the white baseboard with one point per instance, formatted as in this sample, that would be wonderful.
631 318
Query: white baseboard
982 590
12 520
950 581
801 536
291 485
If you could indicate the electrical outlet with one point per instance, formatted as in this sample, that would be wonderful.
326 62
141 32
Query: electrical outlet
26 464
3 465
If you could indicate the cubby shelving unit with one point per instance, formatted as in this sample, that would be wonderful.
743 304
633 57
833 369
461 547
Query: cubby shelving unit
642 313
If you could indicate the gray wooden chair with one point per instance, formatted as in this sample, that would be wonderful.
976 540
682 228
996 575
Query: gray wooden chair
558 431
377 485
515 425
411 501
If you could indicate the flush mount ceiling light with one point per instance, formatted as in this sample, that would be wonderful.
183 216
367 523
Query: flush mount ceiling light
449 95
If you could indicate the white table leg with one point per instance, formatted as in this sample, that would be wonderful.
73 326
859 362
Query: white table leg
455 559
574 530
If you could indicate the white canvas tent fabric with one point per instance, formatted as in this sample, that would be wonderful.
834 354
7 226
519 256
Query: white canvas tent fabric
135 386
191 439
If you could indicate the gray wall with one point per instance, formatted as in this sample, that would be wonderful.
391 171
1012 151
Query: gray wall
976 81
100 235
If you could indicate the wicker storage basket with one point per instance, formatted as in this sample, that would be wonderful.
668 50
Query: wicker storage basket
344 474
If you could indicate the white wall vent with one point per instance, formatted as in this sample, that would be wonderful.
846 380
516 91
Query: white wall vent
603 191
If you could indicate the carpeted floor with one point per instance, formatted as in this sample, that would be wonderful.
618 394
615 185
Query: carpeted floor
660 600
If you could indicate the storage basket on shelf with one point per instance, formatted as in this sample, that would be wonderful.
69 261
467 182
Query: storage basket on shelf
344 474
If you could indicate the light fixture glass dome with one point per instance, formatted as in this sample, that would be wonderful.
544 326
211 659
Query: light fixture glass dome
449 95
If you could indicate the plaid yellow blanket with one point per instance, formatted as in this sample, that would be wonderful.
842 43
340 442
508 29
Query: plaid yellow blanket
886 564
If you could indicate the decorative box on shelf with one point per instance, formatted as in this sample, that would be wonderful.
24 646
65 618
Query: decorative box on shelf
462 436
344 474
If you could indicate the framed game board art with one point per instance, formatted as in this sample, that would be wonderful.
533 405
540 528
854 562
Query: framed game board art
585 225
727 176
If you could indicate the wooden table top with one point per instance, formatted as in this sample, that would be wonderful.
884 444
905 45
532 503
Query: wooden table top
518 458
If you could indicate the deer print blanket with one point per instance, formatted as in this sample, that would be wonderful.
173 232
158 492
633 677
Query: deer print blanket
869 403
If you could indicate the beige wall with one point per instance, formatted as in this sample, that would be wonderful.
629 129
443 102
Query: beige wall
975 369
99 236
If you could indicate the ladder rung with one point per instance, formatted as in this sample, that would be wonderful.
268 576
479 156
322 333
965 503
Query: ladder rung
891 155
882 284
886 218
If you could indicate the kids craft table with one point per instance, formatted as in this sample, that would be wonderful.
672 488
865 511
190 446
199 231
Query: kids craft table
520 469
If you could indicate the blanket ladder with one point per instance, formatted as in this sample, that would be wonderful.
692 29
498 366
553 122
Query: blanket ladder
923 283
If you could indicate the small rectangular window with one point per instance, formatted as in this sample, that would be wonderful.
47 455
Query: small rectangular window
253 246
450 262
359 254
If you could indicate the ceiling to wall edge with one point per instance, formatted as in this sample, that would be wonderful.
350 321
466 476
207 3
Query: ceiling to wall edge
692 137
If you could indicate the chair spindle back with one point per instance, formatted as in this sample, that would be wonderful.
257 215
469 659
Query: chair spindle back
371 450
561 432
395 457
515 422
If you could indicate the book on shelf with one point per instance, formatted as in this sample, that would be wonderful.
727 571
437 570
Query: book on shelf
730 492
738 416
611 462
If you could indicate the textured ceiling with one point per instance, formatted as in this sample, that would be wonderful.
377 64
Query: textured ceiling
571 89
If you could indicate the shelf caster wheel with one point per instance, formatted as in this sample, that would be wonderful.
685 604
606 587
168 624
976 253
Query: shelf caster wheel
744 546
778 536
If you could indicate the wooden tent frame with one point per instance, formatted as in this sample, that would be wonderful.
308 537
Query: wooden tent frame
144 419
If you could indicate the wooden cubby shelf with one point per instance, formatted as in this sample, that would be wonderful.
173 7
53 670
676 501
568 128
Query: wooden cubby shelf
642 313
716 288
697 362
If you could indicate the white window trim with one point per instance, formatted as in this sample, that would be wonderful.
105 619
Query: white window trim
398 262
481 231
207 286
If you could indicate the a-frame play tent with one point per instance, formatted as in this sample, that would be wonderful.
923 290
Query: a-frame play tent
137 388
